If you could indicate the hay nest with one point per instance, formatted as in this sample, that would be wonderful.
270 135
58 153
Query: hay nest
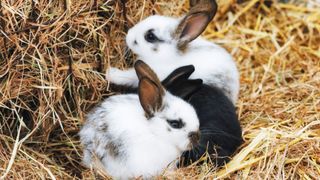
53 56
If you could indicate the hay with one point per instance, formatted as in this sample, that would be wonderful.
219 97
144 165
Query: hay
53 56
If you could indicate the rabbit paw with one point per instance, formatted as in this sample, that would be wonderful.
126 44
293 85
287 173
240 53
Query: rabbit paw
113 74
120 77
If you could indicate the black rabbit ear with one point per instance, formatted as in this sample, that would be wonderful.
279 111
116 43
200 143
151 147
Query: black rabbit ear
186 88
178 75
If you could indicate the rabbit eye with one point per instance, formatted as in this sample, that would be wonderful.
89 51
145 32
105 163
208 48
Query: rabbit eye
151 37
177 124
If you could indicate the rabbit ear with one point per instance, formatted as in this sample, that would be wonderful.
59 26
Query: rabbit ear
178 75
150 90
150 95
143 70
178 83
193 2
186 88
196 21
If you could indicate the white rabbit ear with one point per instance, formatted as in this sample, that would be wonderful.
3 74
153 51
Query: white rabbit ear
196 21
151 96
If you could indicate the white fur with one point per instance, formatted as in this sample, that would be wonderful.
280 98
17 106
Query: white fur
146 146
213 64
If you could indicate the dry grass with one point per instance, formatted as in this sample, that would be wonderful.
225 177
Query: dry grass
53 55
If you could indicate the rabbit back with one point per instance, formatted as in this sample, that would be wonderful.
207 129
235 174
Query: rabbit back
220 129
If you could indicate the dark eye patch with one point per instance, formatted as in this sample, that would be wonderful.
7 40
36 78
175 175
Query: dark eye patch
176 124
151 37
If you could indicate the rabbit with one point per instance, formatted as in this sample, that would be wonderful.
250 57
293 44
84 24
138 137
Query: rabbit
220 130
166 43
139 135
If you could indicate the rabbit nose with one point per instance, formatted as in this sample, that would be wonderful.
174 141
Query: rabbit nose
194 137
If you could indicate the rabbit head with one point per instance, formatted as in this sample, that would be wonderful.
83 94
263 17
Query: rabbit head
170 117
159 36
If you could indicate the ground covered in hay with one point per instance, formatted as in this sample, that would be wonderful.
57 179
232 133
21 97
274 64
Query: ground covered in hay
53 56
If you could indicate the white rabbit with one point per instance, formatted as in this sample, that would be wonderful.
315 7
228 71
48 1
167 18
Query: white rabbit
139 135
166 43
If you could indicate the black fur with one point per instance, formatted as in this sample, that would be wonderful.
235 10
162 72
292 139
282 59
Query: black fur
179 75
220 129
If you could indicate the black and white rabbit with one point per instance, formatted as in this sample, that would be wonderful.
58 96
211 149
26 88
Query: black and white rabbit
134 135
220 129
166 43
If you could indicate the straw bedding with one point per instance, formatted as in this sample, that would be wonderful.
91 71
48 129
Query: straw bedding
54 54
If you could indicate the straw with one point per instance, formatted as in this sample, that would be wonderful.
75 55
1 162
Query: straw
53 59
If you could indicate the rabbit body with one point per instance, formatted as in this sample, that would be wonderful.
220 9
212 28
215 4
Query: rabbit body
117 126
135 135
220 128
213 64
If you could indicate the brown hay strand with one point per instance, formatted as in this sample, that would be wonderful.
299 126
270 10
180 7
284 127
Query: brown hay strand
54 54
